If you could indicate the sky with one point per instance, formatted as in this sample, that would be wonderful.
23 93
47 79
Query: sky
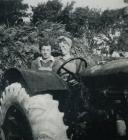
102 4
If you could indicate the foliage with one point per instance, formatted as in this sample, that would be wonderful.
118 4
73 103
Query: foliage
76 20
66 15
126 1
115 24
109 26
20 43
110 16
89 28
83 19
17 46
11 11
47 11
49 31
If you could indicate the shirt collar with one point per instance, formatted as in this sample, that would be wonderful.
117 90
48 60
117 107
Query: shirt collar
51 58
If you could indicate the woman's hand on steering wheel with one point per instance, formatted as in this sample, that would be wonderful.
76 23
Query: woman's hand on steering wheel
64 71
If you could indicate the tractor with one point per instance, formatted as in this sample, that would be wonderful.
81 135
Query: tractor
90 104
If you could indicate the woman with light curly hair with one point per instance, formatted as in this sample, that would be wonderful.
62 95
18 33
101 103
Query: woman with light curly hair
65 45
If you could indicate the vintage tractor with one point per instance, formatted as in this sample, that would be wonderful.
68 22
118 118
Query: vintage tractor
93 101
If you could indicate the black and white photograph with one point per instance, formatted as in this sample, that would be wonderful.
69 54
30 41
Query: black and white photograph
63 69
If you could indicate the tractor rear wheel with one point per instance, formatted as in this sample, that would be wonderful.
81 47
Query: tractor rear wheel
30 118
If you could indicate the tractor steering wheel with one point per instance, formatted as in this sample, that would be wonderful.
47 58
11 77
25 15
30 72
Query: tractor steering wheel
71 75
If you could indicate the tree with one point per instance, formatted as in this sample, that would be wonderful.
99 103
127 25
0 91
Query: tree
66 14
11 11
110 17
82 19
47 11
126 1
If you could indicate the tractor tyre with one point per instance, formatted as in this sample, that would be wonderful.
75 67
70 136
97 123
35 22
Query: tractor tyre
24 117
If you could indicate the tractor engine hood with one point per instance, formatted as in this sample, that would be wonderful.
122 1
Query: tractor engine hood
36 81
113 73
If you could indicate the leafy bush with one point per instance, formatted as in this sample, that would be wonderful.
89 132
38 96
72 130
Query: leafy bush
20 43
11 11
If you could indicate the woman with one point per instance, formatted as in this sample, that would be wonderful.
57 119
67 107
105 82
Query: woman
65 45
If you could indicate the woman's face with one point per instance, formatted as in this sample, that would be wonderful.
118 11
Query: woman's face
65 48
46 51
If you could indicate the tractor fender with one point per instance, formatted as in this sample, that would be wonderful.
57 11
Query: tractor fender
35 81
